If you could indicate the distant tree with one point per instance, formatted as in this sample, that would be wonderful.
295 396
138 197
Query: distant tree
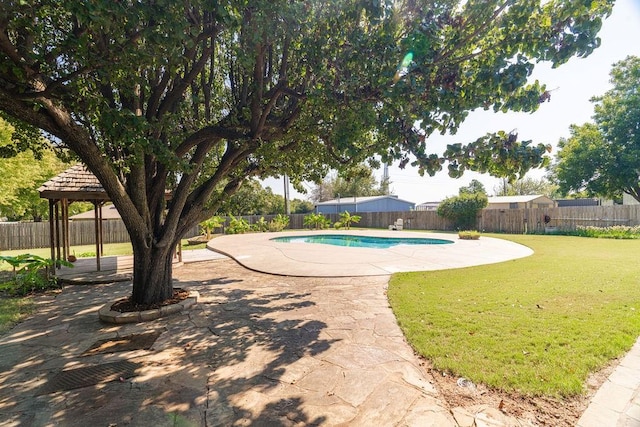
253 199
22 171
463 210
385 187
17 136
357 181
301 206
322 190
603 158
273 203
20 178
526 186
474 187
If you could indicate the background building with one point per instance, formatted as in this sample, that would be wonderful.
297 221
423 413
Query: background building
390 203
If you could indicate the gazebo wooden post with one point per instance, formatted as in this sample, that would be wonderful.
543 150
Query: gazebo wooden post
65 229
101 229
57 234
97 227
66 219
51 233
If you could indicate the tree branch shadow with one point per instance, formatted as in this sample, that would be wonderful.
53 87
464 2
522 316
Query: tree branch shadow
225 362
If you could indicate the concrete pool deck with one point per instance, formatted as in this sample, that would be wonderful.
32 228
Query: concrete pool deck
258 252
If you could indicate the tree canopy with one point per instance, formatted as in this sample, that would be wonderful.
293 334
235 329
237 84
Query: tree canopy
20 177
603 158
193 98
253 199
474 187
357 180
22 171
526 186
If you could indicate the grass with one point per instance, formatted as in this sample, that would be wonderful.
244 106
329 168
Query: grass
89 251
537 325
12 310
110 249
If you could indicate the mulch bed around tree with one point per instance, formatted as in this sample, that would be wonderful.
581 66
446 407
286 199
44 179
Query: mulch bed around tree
126 306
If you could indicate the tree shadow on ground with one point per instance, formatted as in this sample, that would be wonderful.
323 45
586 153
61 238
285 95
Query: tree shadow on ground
225 362
250 343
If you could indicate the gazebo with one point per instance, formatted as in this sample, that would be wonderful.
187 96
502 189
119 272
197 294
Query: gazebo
76 184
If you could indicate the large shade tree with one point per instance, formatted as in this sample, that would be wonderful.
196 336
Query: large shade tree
172 105
603 158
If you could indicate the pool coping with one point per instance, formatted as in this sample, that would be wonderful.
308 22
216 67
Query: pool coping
258 252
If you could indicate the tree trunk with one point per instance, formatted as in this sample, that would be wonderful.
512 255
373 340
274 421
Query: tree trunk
152 274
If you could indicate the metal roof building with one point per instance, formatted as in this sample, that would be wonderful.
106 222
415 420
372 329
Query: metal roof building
390 203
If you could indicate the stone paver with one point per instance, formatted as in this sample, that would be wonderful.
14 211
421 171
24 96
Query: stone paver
617 401
255 350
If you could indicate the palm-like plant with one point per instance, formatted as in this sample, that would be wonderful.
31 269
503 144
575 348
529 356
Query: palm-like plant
346 219
316 220
211 224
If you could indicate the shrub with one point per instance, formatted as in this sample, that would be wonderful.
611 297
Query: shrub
237 226
468 235
463 210
279 223
209 225
614 232
260 225
31 273
317 221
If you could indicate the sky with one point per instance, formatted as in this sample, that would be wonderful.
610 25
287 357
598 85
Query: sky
573 85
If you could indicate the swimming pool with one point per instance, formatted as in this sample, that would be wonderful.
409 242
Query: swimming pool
361 241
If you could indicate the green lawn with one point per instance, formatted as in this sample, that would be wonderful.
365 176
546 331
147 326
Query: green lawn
538 325
12 310
110 249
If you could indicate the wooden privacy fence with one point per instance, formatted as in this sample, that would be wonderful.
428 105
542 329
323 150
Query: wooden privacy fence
514 221
521 221
29 235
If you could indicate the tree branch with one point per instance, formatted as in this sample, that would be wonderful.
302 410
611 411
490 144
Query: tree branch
486 23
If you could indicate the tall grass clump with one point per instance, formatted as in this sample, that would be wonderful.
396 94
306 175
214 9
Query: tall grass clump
614 232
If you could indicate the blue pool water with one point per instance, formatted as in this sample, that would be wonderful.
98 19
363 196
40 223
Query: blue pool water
361 241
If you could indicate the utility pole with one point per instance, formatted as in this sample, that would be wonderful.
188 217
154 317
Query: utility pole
385 179
287 204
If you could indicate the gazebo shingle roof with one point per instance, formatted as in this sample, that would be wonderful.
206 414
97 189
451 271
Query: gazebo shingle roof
75 183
